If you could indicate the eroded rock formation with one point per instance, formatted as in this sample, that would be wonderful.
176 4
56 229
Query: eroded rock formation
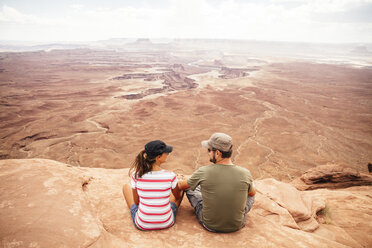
294 208
230 73
174 79
331 176
45 203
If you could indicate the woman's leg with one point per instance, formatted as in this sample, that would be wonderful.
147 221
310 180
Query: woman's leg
128 194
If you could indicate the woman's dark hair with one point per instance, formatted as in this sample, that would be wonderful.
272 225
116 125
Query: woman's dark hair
142 164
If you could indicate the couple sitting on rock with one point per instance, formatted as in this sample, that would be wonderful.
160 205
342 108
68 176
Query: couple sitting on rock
221 193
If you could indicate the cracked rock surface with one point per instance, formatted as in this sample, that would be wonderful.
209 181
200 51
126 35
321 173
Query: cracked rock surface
44 203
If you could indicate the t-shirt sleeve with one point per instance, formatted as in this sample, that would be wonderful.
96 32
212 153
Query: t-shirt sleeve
133 182
195 179
249 181
174 181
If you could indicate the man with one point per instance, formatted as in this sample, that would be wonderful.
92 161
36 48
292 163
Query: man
221 193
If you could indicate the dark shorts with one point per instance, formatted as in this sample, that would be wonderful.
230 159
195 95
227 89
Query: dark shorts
196 201
134 209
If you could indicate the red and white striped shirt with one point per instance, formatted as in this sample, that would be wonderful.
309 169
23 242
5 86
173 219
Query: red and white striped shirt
154 189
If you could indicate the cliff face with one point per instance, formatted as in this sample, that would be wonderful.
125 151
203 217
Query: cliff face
50 204
331 176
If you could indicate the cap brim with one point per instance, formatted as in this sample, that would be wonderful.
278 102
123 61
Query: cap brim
168 149
205 144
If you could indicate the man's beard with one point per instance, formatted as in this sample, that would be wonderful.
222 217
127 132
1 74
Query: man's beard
213 160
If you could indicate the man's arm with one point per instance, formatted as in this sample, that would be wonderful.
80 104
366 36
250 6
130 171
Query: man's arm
182 184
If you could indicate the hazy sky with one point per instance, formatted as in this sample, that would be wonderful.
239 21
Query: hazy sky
278 20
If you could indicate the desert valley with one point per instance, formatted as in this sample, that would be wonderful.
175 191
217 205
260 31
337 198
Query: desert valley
288 110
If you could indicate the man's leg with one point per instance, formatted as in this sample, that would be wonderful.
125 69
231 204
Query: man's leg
196 201
248 206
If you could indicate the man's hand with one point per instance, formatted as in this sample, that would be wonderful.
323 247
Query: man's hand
252 192
181 177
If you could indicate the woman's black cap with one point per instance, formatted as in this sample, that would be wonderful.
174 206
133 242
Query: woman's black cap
157 147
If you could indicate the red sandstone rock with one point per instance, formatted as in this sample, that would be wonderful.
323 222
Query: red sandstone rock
301 207
49 204
43 204
331 176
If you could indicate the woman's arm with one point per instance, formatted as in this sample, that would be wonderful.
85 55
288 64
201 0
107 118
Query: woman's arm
135 196
182 185
176 192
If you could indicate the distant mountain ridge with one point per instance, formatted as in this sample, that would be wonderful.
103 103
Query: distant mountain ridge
249 46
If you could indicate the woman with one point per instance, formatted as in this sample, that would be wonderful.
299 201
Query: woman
153 195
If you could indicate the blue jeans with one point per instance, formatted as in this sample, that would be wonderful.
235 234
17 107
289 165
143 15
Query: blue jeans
134 210
196 201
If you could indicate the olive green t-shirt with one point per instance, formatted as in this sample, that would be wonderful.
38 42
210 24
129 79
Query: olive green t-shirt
224 190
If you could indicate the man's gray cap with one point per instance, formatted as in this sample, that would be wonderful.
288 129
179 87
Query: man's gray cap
218 141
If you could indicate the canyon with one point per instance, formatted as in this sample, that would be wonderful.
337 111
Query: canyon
73 120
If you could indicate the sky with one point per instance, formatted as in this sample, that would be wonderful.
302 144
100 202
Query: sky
329 21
